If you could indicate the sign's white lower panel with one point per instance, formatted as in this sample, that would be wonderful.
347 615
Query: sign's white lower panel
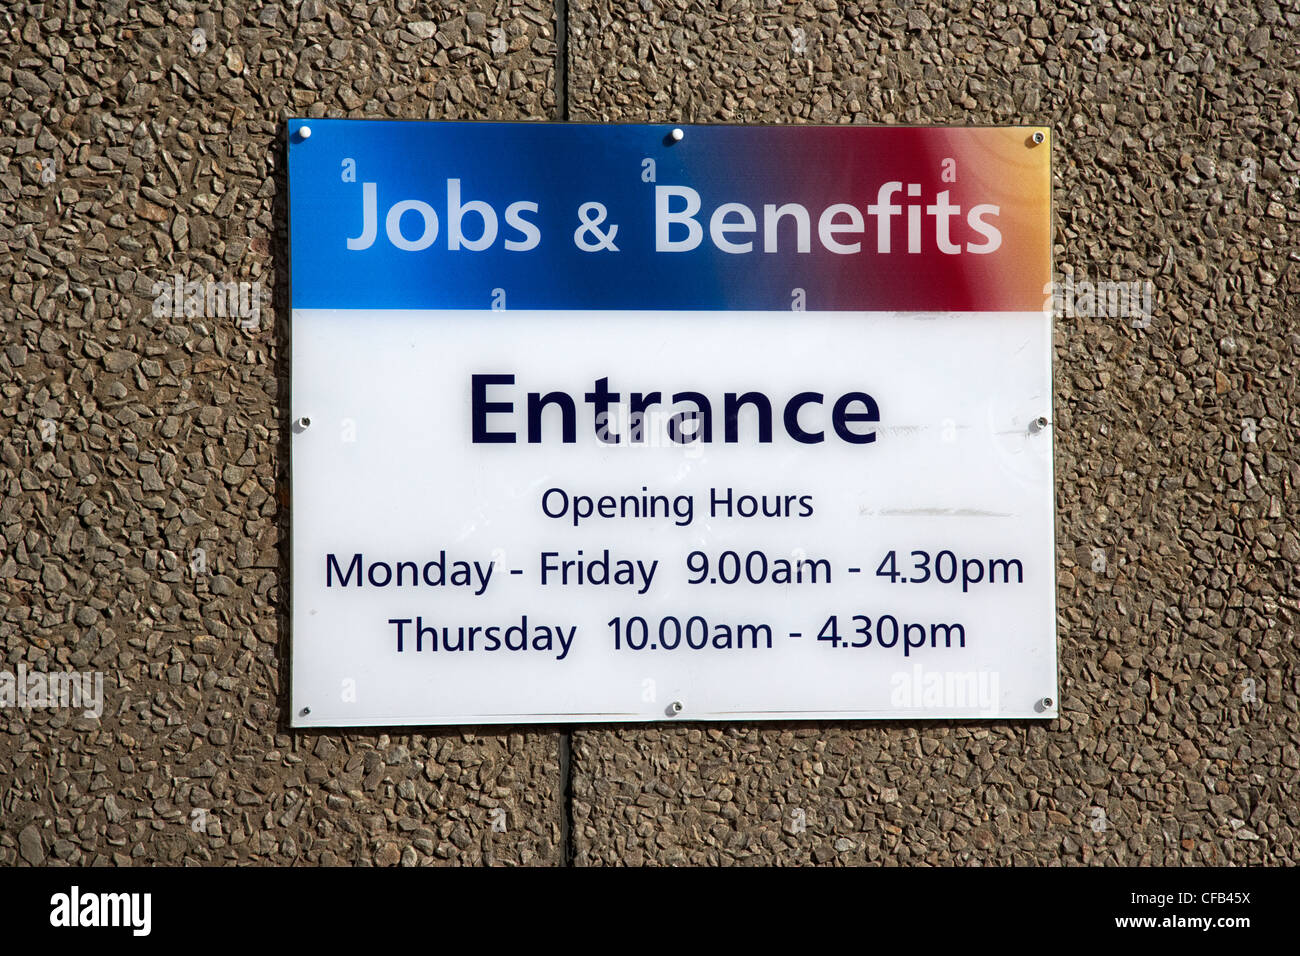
442 580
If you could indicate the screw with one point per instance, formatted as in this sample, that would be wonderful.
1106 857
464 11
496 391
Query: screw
1038 424
304 712
302 424
676 135
1045 703
304 132
676 707
1038 137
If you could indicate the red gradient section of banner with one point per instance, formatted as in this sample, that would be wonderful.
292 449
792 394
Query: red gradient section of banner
818 166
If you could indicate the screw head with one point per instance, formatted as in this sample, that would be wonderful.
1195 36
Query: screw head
1039 137
304 712
676 707
304 132
676 135
1046 703
302 423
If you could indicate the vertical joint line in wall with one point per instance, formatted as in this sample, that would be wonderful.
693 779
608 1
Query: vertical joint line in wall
562 60
566 799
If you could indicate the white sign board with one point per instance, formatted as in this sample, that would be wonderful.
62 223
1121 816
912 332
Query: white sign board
507 509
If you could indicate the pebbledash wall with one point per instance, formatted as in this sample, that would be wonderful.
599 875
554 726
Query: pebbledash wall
144 462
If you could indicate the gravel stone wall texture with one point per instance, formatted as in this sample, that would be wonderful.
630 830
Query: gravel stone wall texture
1176 152
143 459
168 436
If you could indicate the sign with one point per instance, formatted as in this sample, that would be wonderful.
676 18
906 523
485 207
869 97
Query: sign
635 423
